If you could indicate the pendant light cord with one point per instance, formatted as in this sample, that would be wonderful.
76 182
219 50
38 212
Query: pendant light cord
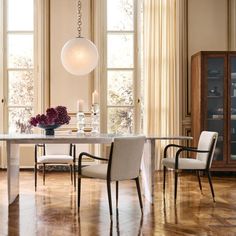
79 22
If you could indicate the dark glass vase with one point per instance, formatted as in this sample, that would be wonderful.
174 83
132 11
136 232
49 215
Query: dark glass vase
49 129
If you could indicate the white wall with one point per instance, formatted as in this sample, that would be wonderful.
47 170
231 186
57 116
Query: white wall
66 89
207 23
207 26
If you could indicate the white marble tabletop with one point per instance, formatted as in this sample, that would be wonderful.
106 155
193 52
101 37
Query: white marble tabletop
75 137
60 138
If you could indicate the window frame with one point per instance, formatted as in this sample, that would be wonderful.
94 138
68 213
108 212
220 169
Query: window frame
7 69
136 70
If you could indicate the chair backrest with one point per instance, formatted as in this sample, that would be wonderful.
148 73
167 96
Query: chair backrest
125 158
58 149
207 141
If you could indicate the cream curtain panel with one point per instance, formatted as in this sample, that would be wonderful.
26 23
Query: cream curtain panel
162 84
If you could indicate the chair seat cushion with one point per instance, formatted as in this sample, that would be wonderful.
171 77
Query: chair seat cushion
184 163
95 171
60 159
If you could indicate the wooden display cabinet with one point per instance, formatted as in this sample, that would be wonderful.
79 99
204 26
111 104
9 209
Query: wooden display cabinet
213 103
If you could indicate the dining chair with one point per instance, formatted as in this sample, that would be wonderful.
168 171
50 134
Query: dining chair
123 164
204 155
55 154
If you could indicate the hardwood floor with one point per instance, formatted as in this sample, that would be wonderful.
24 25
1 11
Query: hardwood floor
52 209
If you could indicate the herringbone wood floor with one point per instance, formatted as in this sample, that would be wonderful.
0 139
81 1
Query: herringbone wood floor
52 209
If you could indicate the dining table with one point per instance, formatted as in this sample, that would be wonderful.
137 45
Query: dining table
13 141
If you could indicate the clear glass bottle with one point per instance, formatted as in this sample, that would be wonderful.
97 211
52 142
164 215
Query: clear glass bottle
95 118
80 122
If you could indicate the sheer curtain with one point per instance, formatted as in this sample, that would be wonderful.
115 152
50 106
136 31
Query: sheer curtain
161 75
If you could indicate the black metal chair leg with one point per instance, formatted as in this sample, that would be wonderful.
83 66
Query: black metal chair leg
109 197
44 165
74 176
210 182
199 180
117 193
35 176
79 191
176 183
139 193
164 179
71 174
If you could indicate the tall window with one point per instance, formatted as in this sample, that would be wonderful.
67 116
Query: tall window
122 75
19 62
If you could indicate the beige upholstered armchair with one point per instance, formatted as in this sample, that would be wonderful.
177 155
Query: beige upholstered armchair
55 154
204 155
123 164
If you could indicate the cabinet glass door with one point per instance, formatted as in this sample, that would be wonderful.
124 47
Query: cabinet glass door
215 101
232 76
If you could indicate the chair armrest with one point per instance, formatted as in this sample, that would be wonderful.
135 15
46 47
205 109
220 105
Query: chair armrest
177 146
189 149
88 155
91 156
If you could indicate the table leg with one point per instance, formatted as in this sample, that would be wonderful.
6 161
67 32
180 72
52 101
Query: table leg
148 170
12 171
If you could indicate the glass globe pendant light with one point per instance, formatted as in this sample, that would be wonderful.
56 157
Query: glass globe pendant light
79 56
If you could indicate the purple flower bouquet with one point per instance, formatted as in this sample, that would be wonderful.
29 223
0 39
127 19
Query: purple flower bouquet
54 118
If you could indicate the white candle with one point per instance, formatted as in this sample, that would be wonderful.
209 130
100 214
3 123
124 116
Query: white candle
95 97
80 105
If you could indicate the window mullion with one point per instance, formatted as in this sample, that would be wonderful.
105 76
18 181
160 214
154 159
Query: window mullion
120 32
120 69
20 32
137 72
20 69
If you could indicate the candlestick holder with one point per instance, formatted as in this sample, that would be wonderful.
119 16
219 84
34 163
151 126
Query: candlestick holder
80 122
95 118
